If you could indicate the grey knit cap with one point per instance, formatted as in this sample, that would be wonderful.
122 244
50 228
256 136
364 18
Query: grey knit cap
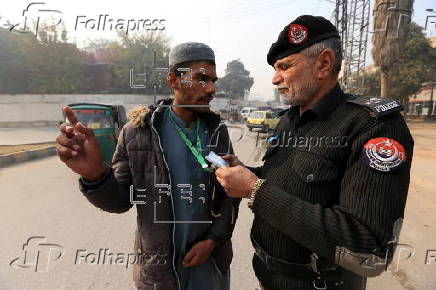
190 51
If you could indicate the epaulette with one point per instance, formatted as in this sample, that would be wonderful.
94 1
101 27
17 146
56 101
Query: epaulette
376 106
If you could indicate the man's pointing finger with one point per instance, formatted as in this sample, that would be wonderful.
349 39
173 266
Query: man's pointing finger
84 130
70 115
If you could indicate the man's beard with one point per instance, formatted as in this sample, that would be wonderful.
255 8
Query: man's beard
188 99
299 95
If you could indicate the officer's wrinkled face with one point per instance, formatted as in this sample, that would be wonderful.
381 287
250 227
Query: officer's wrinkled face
295 79
195 87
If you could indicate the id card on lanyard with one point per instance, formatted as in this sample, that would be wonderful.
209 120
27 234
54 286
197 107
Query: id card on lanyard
195 150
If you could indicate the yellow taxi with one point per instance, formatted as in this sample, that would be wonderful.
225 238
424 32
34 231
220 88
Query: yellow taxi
264 120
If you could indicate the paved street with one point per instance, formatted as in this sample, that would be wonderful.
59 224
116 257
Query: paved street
18 136
41 198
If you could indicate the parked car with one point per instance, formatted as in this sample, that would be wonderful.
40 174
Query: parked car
106 122
264 120
246 111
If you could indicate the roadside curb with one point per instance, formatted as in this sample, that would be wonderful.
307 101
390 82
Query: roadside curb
23 156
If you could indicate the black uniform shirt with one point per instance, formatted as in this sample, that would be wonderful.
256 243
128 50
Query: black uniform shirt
333 180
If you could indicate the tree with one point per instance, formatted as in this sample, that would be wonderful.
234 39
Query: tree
49 64
16 64
143 53
236 81
389 37
60 65
45 64
416 65
371 87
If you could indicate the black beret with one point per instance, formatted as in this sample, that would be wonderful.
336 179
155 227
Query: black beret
301 33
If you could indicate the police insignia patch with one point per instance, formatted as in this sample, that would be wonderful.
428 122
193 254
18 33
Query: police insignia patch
297 34
384 154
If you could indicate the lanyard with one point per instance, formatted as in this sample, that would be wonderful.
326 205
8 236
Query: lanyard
196 150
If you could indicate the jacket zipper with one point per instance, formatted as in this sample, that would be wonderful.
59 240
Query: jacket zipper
169 177
172 202
212 189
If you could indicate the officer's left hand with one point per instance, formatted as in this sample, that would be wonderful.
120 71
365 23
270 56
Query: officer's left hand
199 253
237 181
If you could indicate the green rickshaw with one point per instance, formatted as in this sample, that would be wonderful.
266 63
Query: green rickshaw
106 122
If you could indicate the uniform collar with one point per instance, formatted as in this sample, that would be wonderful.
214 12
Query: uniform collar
321 109
324 106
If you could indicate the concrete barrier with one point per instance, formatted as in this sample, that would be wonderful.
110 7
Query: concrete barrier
23 156
45 110
39 110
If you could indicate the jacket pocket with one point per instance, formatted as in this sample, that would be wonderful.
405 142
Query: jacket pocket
313 168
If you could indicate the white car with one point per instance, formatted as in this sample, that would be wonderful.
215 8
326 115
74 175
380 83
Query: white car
246 111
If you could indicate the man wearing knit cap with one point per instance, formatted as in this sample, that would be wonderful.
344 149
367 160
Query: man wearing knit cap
329 200
185 220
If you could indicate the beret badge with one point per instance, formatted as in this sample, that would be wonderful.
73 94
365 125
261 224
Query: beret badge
297 34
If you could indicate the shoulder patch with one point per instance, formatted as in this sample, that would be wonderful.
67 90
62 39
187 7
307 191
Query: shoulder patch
377 106
384 154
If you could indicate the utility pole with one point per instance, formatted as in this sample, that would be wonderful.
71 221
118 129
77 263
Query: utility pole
352 20
430 111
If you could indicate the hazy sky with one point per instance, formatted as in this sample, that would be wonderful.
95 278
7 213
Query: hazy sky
235 29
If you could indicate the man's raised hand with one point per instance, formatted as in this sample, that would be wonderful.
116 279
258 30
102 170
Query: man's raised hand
78 148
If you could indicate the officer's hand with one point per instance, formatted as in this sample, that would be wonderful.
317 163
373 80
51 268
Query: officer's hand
233 160
78 148
199 253
237 181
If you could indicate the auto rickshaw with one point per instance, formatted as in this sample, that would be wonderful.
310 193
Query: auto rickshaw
106 122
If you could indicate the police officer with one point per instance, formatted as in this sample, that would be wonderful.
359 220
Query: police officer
329 200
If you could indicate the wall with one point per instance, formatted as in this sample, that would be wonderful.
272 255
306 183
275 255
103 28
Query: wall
24 110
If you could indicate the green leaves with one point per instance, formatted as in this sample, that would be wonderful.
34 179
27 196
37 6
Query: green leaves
416 65
50 64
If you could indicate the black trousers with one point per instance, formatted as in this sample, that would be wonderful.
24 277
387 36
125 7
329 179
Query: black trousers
277 281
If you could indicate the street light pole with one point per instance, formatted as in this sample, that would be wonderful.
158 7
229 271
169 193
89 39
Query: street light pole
430 112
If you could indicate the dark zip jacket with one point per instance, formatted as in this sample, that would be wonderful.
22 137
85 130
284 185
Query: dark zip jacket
139 175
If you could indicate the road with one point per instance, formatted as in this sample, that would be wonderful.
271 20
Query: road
41 199
18 136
